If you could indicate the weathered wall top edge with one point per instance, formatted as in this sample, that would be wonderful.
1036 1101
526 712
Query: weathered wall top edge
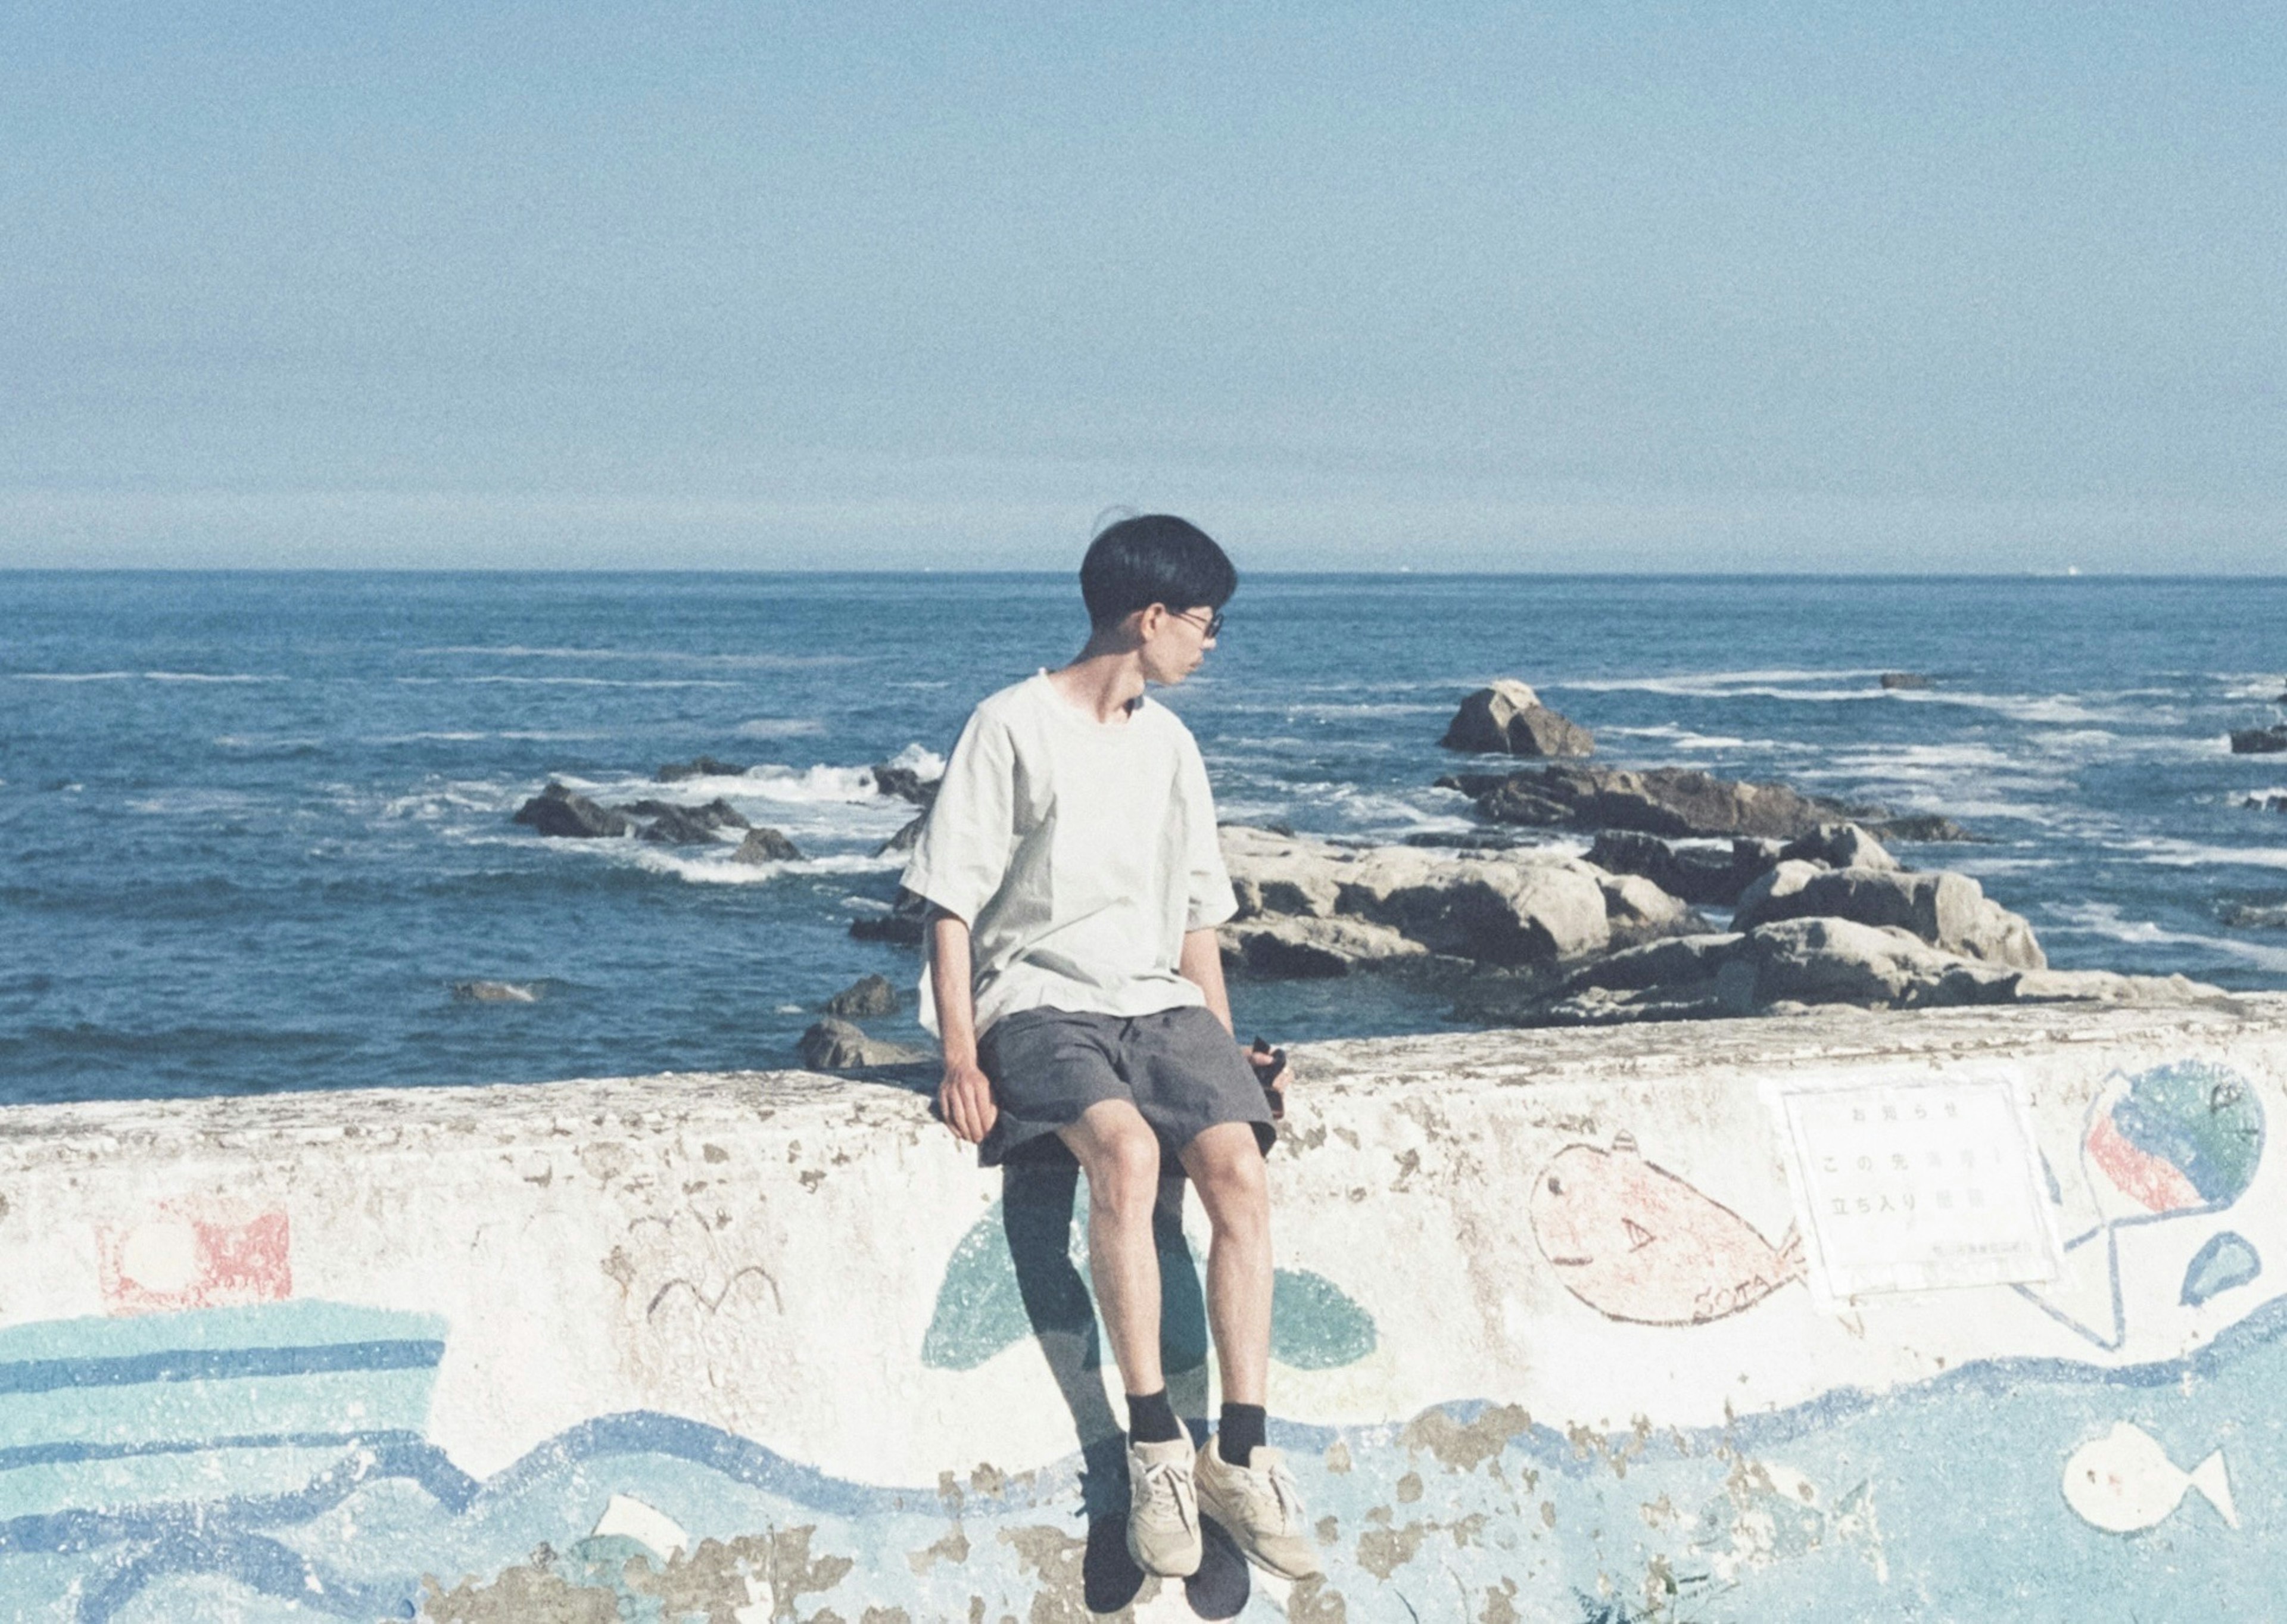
695 1100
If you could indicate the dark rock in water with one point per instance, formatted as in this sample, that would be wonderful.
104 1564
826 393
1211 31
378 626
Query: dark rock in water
869 995
765 846
699 766
1921 828
717 814
837 1046
905 784
2268 803
905 839
2228 1261
901 926
1509 719
556 812
2256 916
684 826
1904 679
1464 840
1700 875
2259 740
1673 801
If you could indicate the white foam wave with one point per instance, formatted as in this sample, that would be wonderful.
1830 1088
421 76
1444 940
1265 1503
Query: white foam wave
779 727
722 871
1391 708
927 763
2104 919
2171 852
73 676
571 682
2054 707
206 676
1724 683
663 656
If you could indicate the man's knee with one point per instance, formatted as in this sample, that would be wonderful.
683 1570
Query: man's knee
1123 1169
1233 1185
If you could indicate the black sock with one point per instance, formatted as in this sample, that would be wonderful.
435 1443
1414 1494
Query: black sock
1152 1419
1241 1432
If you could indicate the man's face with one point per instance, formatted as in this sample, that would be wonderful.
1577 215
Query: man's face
1176 640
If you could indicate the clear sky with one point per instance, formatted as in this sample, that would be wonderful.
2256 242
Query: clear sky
1991 286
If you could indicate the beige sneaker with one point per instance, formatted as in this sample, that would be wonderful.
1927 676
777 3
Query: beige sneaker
1163 1509
1261 1506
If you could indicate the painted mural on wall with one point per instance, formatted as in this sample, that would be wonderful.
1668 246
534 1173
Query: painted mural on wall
214 1448
2173 1143
1636 1243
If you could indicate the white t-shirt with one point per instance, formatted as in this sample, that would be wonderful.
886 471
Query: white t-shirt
1078 852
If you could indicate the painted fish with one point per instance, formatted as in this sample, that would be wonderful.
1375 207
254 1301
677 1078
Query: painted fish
2125 1482
2178 1138
1636 1243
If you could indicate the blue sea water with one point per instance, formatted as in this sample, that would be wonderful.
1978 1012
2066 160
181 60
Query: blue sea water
255 828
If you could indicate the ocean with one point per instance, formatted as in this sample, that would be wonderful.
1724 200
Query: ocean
255 829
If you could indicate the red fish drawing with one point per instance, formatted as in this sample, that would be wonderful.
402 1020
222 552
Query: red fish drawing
1636 1243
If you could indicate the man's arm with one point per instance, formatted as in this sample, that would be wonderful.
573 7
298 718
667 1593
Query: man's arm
965 1096
1201 966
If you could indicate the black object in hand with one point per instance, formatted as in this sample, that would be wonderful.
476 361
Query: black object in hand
1271 1071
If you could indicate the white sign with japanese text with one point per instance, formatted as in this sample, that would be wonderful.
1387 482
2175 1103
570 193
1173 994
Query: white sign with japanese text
1916 1186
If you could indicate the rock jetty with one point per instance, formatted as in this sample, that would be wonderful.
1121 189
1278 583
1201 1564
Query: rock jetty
1536 936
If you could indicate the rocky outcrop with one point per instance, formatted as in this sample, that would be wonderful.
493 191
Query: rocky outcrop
2276 802
905 839
836 1046
1792 965
765 846
561 815
1924 829
1311 907
1707 876
684 826
701 766
904 784
2259 740
864 998
1509 719
1949 912
1671 801
2256 916
901 926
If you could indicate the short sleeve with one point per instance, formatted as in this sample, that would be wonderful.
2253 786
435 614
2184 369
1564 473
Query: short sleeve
1208 898
962 854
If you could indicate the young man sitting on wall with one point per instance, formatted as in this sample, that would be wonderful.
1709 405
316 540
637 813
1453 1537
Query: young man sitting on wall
1075 883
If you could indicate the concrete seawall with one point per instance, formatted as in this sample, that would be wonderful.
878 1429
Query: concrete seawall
1938 1316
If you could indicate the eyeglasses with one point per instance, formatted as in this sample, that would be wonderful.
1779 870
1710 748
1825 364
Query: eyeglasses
1213 625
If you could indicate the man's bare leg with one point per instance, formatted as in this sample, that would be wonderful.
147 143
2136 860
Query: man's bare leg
1226 1165
1121 1155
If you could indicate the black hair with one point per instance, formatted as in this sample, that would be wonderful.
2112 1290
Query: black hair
1153 559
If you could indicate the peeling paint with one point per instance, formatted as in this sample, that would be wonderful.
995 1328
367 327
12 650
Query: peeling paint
1463 1447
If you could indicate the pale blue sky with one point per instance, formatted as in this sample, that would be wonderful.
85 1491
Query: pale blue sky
1666 287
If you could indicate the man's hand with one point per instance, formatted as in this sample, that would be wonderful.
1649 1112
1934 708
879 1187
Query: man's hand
965 1101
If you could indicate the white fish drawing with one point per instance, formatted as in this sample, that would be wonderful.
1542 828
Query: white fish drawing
646 1525
2124 1481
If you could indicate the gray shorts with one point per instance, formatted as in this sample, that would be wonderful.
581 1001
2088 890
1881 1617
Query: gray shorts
1178 1066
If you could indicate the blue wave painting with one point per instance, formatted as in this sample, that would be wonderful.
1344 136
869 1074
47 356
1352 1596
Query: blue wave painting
1942 1501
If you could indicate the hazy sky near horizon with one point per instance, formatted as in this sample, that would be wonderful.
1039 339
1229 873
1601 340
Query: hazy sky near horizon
1578 287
